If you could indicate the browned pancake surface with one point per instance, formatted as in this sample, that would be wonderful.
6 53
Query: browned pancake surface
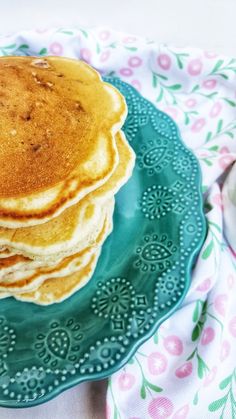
45 130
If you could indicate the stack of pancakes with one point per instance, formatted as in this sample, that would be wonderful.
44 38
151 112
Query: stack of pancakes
63 157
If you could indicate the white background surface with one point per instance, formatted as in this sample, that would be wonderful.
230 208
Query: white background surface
209 24
204 23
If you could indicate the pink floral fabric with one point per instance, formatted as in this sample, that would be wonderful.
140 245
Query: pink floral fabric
188 368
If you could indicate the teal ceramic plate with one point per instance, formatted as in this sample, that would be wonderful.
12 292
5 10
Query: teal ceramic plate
142 276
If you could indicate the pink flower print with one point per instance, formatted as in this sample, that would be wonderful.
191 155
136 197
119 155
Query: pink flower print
224 350
185 370
104 35
207 335
56 49
204 285
195 67
210 377
181 413
224 150
135 61
217 199
157 363
198 125
210 54
126 72
164 61
126 381
129 39
230 281
160 408
104 56
220 304
232 326
215 110
86 55
225 161
172 112
173 345
209 84
136 84
190 103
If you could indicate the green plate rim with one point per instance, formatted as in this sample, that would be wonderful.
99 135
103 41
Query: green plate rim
78 379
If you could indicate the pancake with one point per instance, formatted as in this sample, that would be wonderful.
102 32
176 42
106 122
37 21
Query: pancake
5 253
24 281
122 173
32 280
57 121
74 228
52 241
55 290
12 263
18 263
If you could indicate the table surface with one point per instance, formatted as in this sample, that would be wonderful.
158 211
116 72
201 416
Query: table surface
204 23
208 24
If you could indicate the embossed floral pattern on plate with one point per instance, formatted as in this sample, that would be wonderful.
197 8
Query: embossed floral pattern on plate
141 278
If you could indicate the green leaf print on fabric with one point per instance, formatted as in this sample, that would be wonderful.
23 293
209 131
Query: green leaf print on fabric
43 51
207 252
199 317
217 404
214 242
219 126
166 91
65 31
14 49
229 101
179 57
155 338
200 314
85 33
195 399
224 69
197 90
227 403
23 47
116 413
202 367
146 385
196 311
132 49
98 48
225 382
7 49
228 130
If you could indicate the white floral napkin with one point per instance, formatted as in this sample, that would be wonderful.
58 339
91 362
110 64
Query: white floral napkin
188 368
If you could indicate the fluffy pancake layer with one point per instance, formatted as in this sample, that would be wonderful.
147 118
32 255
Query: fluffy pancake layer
58 121
65 234
63 157
31 280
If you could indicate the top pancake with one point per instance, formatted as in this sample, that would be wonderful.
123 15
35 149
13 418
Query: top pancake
57 120
64 234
